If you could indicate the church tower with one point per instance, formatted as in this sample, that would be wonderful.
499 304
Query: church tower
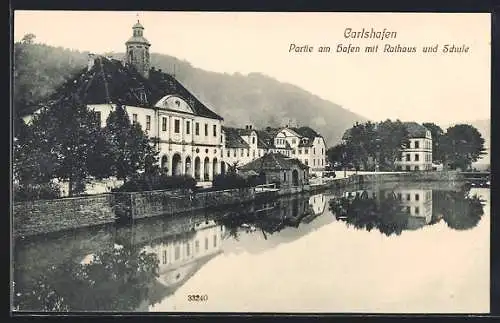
137 53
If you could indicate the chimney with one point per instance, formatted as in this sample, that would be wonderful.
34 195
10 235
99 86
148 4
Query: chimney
91 60
250 126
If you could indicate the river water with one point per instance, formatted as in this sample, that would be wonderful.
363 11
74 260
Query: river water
391 248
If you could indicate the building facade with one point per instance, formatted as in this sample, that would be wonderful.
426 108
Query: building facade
189 136
245 145
418 155
286 172
186 133
307 146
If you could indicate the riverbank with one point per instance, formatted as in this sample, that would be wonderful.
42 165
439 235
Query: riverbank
44 216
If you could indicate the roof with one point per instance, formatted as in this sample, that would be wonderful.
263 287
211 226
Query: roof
245 132
138 39
109 81
265 138
137 25
306 132
233 138
415 130
273 161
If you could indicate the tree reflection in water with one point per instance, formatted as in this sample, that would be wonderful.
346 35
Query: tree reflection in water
267 218
387 214
459 210
114 280
362 212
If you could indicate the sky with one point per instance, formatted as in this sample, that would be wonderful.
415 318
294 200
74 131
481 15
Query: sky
439 87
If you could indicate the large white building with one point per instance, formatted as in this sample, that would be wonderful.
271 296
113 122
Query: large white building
189 136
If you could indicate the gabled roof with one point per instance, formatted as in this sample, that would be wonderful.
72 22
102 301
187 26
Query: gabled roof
273 161
265 139
303 132
306 132
109 81
415 130
233 138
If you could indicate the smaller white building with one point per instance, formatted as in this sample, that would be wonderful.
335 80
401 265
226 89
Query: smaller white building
418 155
241 146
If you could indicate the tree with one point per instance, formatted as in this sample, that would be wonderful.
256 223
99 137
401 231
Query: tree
437 137
360 139
59 143
335 154
115 280
130 149
391 139
340 155
366 213
458 209
28 38
72 138
232 168
462 145
33 162
382 142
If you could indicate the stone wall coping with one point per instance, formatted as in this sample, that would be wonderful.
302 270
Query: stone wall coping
64 198
169 191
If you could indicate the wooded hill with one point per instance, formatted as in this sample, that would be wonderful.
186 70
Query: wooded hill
254 99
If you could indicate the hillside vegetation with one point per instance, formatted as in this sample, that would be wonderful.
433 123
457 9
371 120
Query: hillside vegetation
254 99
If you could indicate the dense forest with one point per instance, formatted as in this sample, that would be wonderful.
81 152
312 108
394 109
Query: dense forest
241 99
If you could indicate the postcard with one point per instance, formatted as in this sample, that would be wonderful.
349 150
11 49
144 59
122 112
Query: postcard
251 162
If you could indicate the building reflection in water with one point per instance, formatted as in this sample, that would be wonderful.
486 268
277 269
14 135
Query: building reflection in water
147 261
417 203
273 216
181 257
268 225
394 210
134 267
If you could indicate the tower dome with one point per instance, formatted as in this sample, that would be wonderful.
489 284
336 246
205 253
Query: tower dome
137 50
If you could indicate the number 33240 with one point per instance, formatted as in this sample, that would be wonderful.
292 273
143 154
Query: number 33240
197 298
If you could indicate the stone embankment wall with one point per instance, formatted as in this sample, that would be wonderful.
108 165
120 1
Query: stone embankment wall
451 176
44 216
139 205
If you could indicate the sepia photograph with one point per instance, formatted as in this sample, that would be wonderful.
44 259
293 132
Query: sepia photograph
250 162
